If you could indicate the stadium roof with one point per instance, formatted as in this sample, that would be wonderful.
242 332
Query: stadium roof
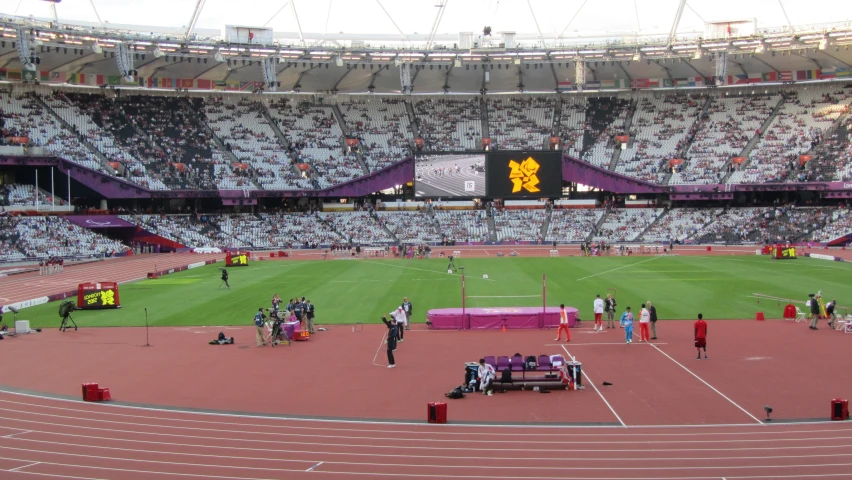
348 46
400 19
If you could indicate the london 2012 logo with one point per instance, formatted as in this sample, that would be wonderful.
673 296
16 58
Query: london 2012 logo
523 175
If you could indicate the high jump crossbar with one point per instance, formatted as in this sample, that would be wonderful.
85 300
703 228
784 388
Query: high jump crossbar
543 294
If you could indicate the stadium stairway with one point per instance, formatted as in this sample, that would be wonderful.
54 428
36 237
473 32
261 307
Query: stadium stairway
681 152
628 122
102 159
492 227
557 123
483 111
340 120
545 225
754 140
412 121
823 160
597 226
641 236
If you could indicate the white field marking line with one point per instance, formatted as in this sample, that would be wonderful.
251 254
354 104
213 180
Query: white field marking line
592 383
63 477
442 432
320 463
708 385
478 457
23 467
381 342
184 464
486 252
425 270
395 440
17 433
619 268
776 424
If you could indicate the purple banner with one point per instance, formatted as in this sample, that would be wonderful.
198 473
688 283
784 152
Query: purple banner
99 221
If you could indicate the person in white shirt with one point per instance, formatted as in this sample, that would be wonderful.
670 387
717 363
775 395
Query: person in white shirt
644 325
486 375
399 316
563 325
599 308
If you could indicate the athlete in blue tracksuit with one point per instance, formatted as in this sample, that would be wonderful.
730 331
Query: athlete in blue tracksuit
627 323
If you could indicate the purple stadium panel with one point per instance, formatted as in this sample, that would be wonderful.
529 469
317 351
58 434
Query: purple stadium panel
496 318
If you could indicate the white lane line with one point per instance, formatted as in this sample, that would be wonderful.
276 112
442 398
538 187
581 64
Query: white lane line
619 268
708 385
583 344
381 342
311 469
592 383
23 467
17 433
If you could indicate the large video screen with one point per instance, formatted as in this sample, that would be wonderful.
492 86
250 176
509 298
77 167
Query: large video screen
524 174
449 175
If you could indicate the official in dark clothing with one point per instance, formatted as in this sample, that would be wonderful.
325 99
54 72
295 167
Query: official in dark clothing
298 311
392 335
653 311
814 311
309 314
408 309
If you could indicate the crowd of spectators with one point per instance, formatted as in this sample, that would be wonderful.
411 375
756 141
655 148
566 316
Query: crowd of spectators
521 123
605 118
625 224
572 224
463 225
680 224
411 227
383 129
516 225
42 237
449 124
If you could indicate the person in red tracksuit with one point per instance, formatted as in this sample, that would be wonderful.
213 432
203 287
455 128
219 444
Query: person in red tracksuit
644 324
563 325
701 336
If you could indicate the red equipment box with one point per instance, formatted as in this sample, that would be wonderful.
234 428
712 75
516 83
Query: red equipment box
103 395
839 409
98 295
90 392
302 336
436 412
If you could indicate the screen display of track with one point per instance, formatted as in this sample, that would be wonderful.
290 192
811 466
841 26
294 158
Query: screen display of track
449 175
524 174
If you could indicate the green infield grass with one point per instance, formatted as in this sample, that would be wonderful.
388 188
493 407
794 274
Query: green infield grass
349 291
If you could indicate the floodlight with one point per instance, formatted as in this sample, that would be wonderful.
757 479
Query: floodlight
97 48
157 52
219 57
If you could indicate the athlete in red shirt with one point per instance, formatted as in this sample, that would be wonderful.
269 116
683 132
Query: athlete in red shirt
701 336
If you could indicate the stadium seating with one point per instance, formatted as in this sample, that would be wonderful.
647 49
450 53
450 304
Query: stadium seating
839 224
735 225
24 116
730 123
521 123
357 227
571 126
316 139
572 225
382 127
605 118
625 224
183 229
518 225
411 227
21 195
40 237
450 125
680 224
463 226
659 129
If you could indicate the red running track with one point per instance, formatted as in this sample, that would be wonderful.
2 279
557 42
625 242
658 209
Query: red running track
50 438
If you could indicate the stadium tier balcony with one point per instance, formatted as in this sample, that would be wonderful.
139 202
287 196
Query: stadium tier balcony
521 123
660 126
357 227
316 139
23 195
298 230
383 129
799 126
625 224
23 116
411 227
605 118
463 225
571 224
722 135
680 224
450 125
40 237
835 153
515 225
